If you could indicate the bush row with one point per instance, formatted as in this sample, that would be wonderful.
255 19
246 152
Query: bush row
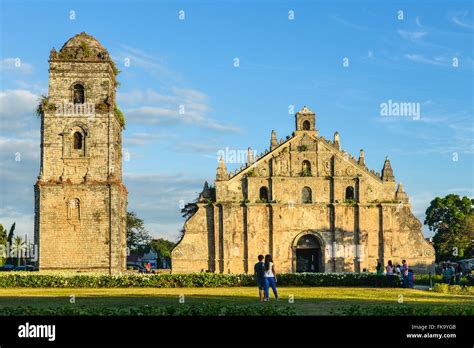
181 310
453 289
38 280
405 310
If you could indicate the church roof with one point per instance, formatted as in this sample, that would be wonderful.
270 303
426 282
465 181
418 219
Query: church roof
83 47
267 153
81 39
305 111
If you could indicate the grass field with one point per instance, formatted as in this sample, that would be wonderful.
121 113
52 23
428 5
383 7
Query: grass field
307 300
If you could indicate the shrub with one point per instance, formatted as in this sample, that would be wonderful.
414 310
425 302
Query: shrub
202 280
453 289
120 116
179 310
302 148
405 310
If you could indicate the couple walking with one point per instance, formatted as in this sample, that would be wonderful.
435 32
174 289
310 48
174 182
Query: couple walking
266 277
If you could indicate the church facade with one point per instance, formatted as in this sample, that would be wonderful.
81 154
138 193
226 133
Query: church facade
308 203
80 200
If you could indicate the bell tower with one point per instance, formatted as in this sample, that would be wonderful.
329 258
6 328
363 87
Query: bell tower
80 200
305 120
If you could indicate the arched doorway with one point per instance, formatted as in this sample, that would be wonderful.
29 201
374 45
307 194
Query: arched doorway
309 254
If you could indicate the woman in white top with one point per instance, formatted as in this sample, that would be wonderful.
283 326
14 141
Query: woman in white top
390 273
270 278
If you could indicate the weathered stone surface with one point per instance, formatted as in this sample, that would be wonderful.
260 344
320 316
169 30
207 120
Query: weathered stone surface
355 216
80 200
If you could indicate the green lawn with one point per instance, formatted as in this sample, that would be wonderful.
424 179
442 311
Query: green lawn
307 300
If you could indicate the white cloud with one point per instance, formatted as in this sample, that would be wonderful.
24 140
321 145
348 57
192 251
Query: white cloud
460 20
135 57
177 105
441 61
412 35
345 22
17 110
160 207
15 65
17 101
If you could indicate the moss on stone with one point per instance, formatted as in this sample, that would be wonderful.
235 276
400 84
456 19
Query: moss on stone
120 116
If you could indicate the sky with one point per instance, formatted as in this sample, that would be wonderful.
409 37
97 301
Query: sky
239 69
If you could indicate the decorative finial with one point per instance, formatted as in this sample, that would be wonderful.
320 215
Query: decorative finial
387 171
249 156
401 195
361 160
336 141
273 141
221 170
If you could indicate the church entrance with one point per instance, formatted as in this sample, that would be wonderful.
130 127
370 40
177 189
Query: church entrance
308 254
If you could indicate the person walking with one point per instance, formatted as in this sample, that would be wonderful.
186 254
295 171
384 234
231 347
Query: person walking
270 278
259 271
405 273
390 273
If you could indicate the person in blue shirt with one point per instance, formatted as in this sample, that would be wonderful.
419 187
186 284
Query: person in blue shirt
259 271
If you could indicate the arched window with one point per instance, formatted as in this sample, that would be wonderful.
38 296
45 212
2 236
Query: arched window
78 94
74 209
306 125
78 141
349 193
263 194
306 168
306 195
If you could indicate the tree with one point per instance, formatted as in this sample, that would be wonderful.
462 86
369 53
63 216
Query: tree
448 217
18 246
3 242
189 210
10 234
163 247
468 227
138 238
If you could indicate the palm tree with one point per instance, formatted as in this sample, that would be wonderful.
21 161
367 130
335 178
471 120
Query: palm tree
18 245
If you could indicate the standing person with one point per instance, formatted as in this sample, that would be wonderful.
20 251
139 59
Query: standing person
405 273
445 275
259 270
390 270
411 279
450 274
379 268
458 274
270 278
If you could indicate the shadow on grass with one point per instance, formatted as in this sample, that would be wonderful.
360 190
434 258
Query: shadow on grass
303 306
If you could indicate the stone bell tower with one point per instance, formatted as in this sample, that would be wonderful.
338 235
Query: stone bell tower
80 200
305 121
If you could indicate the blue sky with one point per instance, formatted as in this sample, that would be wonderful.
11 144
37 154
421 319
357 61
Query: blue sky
282 62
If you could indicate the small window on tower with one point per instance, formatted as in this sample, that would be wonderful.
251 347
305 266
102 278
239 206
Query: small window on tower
306 125
74 212
306 195
263 194
350 193
78 94
78 141
306 168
